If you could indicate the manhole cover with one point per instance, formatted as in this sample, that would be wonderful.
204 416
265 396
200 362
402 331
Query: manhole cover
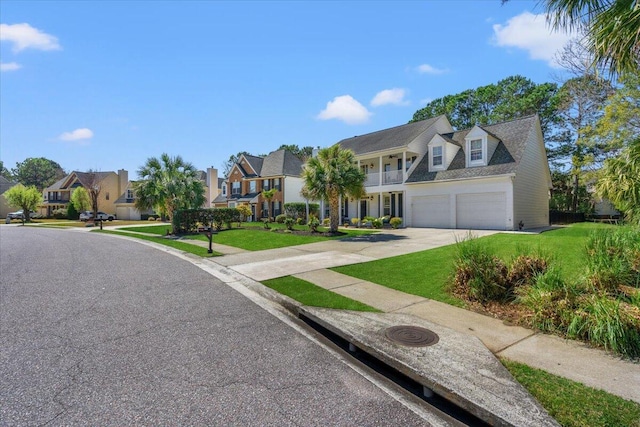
412 336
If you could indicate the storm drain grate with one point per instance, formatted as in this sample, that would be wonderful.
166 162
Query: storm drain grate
412 336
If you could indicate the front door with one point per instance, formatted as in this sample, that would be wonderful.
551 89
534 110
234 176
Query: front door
364 204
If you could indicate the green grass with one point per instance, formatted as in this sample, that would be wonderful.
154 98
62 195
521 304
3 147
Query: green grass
426 273
573 404
253 237
312 295
186 247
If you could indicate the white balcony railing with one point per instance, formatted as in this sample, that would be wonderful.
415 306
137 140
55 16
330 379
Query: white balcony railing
391 177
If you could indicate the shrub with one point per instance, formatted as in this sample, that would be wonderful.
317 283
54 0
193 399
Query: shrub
613 324
525 268
550 299
59 213
395 222
265 223
280 218
299 209
355 221
289 222
300 221
613 258
377 222
480 275
158 219
313 224
326 222
72 212
151 218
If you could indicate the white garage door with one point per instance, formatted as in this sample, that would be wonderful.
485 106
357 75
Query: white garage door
484 211
431 211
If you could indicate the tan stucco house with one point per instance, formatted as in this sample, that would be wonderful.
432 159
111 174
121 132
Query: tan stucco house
5 208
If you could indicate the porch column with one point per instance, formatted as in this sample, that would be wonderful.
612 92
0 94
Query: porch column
404 166
380 169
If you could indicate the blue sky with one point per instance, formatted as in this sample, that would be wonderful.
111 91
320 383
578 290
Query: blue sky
106 85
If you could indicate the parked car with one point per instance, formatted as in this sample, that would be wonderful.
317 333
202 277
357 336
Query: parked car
19 215
101 216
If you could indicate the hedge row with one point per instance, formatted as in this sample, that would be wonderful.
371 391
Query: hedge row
188 220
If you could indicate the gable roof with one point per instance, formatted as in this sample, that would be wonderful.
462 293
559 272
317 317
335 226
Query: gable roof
255 162
5 184
513 137
281 162
396 137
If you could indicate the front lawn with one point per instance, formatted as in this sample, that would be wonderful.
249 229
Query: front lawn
176 244
573 404
427 273
312 295
254 237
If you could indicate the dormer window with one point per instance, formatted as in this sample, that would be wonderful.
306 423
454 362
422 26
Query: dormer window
437 156
475 153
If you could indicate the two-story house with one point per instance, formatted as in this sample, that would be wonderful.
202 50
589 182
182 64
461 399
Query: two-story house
251 175
486 177
125 204
58 195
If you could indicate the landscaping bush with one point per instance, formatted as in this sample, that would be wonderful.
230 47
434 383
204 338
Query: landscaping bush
151 218
326 222
355 222
280 218
613 259
377 223
395 222
289 222
610 323
480 275
525 268
187 220
313 224
72 212
299 209
300 221
59 213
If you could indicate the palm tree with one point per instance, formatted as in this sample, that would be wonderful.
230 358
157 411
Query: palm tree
332 174
612 28
620 181
168 184
269 195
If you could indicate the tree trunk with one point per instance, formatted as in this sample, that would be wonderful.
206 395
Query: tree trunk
334 213
574 201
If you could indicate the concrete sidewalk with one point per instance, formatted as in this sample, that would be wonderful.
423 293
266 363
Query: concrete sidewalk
566 358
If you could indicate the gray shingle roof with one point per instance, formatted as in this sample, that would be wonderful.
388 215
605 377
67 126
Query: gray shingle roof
281 162
396 137
255 162
513 137
5 184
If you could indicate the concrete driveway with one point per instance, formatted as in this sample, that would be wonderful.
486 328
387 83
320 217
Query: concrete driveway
269 264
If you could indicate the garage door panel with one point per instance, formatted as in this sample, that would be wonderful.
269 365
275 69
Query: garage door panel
431 211
482 211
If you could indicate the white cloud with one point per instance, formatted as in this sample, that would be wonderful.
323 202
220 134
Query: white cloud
428 69
9 66
76 135
531 33
24 36
393 96
347 109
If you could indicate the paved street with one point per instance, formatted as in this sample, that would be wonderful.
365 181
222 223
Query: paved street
97 330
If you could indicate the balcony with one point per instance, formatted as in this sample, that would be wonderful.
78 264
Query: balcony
388 178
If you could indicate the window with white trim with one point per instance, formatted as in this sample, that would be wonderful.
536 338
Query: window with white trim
252 186
235 187
475 150
436 155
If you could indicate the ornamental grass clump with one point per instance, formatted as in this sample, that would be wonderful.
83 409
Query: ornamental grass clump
613 259
480 275
607 322
524 269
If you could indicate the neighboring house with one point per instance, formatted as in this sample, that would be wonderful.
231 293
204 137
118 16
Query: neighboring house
5 208
251 175
487 177
112 185
125 204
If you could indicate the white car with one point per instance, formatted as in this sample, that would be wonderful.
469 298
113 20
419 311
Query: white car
101 216
19 214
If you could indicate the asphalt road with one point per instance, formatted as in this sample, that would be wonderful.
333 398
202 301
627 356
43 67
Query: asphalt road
97 330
